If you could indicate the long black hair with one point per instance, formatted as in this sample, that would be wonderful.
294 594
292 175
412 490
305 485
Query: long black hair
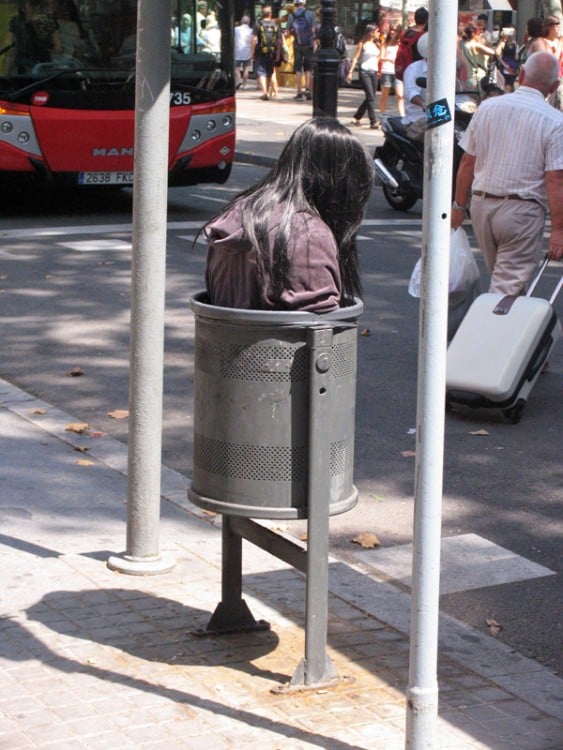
325 170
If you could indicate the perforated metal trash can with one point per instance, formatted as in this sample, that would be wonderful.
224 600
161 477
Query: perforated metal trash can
251 410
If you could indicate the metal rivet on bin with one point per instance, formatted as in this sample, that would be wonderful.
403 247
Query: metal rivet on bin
323 363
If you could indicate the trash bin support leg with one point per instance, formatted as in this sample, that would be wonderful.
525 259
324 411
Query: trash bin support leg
316 668
232 614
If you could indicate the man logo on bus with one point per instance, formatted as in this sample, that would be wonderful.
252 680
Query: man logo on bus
125 151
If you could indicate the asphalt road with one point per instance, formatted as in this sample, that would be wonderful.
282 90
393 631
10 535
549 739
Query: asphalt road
64 300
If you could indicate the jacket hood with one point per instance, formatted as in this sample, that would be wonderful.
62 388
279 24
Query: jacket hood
227 233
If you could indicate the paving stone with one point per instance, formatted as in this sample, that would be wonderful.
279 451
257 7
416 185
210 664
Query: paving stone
15 741
92 659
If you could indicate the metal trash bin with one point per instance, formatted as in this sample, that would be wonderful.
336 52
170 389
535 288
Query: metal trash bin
251 409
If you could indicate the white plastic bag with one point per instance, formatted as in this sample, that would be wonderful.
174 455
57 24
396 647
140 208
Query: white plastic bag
415 282
464 271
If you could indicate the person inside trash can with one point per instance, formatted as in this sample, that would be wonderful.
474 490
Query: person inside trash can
289 242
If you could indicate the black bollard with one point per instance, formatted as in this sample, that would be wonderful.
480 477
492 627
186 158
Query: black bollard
325 66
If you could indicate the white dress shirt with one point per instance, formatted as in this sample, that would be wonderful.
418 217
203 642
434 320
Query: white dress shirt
515 139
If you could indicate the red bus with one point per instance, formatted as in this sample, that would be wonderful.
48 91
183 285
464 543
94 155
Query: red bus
67 91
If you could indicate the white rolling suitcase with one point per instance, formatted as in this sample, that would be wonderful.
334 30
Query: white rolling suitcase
498 352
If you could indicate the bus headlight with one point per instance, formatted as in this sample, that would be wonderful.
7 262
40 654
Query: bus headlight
196 135
23 137
6 127
211 125
227 121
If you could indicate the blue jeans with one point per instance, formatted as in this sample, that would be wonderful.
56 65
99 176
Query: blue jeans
368 79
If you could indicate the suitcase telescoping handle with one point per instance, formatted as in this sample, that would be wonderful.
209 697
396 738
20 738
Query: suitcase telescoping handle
556 291
539 274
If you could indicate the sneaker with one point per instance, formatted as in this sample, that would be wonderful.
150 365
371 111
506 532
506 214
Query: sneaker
300 96
308 94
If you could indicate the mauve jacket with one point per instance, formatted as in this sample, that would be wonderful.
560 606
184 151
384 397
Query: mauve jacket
314 277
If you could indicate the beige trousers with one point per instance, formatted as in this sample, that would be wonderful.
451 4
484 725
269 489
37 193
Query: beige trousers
510 235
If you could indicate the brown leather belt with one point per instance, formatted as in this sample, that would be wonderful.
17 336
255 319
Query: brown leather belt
509 197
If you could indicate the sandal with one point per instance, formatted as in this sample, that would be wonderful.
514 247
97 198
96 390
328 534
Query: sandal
356 123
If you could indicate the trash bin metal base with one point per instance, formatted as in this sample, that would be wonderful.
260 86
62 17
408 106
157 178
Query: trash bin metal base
251 418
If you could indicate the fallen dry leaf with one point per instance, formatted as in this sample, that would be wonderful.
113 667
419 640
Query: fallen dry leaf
408 454
80 449
39 411
367 540
377 498
118 414
84 462
493 625
365 332
479 432
76 372
78 427
97 434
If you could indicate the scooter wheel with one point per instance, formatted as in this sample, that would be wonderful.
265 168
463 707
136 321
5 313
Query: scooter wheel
399 201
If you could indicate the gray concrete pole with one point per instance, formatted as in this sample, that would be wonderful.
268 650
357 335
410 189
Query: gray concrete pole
553 8
152 104
531 8
405 14
422 690
526 9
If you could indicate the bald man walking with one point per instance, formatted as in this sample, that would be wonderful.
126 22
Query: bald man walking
512 174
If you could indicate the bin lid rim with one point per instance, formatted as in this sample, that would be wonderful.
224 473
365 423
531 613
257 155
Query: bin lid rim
269 317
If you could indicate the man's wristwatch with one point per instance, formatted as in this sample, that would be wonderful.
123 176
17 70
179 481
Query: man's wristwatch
457 207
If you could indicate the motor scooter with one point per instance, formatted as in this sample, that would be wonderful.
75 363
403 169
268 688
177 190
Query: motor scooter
399 163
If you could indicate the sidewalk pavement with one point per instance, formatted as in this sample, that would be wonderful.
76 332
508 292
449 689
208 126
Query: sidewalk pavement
263 127
91 658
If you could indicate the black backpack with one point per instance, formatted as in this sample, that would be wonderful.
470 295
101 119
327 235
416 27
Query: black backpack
268 39
303 27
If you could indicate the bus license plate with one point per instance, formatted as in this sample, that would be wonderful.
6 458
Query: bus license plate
105 178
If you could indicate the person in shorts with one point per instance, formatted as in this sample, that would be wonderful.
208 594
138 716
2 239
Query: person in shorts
243 50
266 48
301 23
387 78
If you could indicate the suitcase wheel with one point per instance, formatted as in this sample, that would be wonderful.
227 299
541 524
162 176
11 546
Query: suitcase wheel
514 413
